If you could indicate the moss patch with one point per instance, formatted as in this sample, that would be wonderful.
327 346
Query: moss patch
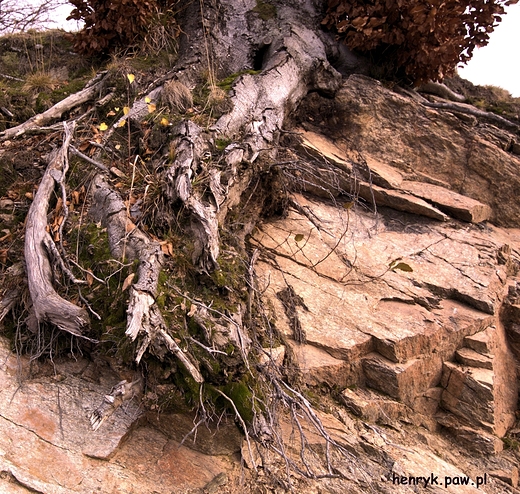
265 10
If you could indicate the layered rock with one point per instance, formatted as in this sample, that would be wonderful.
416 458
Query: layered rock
406 304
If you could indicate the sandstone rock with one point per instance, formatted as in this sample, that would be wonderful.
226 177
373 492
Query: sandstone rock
380 174
47 445
396 380
475 440
468 393
509 477
469 357
373 407
273 355
399 200
420 463
223 438
397 130
456 205
325 147
482 342
318 367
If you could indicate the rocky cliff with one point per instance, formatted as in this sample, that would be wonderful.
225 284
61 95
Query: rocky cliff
393 280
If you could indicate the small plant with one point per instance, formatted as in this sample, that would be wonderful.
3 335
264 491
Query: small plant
416 40
113 24
41 82
177 96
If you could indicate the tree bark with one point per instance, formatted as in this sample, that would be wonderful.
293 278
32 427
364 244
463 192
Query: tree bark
48 306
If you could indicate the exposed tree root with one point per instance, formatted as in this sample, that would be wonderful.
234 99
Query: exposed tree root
471 110
208 188
48 306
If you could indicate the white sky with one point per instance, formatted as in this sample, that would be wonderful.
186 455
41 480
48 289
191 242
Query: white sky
498 63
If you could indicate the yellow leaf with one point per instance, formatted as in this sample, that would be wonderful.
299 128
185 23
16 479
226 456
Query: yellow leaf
165 121
148 100
121 123
103 127
118 146
151 108
131 77
126 110
402 266
116 108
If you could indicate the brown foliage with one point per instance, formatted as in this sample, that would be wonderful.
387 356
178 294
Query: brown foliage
113 24
424 39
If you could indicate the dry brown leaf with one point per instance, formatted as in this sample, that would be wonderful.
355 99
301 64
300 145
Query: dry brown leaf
90 278
128 281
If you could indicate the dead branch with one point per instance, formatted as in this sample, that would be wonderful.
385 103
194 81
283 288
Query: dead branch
47 304
190 145
88 93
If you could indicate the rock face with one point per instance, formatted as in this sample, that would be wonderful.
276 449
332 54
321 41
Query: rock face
420 306
472 158
393 287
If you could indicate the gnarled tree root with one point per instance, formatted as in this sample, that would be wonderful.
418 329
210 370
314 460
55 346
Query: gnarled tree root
128 241
48 306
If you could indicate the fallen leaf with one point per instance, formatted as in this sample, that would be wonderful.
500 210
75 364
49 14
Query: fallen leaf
131 78
192 311
75 196
103 127
402 266
165 121
128 281
126 110
90 278
152 107
299 237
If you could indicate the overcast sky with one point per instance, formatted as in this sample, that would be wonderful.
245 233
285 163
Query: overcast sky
498 63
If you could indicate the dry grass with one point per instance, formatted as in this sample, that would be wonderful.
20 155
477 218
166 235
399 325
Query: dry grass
177 96
41 82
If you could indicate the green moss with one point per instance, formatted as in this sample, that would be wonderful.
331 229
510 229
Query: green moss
222 144
227 83
242 398
265 10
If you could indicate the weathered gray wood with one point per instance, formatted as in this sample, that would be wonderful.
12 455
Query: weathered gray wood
48 306
128 241
86 94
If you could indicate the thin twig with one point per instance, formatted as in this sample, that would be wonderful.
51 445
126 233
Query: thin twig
78 153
